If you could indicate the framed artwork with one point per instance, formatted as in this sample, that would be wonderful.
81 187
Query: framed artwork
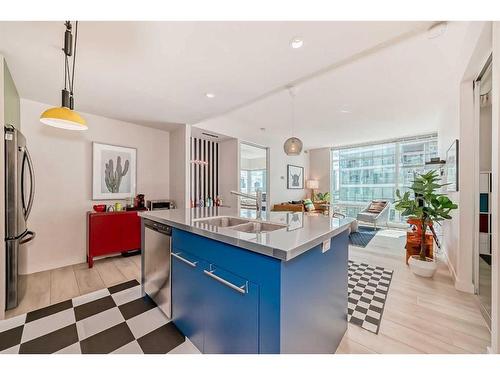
113 171
295 177
294 220
452 167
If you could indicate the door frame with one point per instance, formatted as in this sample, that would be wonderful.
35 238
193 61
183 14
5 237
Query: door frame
477 171
268 167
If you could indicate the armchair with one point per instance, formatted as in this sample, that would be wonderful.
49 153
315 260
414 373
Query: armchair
376 213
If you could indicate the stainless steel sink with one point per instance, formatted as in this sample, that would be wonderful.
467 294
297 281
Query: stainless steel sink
240 224
222 221
258 227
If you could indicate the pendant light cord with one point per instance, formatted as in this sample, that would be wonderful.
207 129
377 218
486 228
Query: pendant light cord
292 97
74 60
70 80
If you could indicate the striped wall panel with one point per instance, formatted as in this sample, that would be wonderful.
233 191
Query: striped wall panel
204 177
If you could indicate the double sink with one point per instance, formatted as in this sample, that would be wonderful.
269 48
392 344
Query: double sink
240 224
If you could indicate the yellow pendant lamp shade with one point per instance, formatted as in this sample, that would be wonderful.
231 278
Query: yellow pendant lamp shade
64 118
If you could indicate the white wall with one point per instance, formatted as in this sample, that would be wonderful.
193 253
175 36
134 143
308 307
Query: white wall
278 162
320 168
458 233
229 171
179 166
63 169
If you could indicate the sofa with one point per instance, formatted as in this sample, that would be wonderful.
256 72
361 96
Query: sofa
296 206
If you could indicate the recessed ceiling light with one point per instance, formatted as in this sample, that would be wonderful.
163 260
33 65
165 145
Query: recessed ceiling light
296 43
210 95
345 111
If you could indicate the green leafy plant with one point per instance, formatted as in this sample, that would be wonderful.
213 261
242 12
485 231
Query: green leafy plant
424 203
323 196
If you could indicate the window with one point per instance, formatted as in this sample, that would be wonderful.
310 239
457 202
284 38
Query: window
253 173
364 173
251 180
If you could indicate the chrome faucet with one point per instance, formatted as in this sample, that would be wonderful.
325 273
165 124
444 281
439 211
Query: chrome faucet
257 197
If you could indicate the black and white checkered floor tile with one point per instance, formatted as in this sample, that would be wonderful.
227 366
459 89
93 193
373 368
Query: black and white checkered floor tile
112 320
368 287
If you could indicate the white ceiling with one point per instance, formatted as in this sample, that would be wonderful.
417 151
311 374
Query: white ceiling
400 90
157 73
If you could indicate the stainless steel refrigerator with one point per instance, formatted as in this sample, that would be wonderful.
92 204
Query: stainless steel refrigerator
19 194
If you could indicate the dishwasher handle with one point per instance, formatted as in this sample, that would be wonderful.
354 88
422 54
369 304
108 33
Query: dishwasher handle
160 228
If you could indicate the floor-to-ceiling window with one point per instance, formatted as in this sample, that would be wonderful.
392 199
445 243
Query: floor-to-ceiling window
367 172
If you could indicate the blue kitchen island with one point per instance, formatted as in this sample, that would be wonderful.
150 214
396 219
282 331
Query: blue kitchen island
277 285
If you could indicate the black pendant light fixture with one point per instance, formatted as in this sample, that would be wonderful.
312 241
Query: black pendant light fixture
65 117
293 145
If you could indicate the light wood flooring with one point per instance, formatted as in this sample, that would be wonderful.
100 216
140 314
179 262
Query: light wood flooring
45 288
421 315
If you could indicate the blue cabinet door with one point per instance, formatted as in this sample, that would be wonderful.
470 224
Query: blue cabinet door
231 313
188 296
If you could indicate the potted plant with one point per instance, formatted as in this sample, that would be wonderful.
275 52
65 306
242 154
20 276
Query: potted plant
322 197
424 205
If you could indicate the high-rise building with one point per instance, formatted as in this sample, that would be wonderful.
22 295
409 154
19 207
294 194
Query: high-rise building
364 173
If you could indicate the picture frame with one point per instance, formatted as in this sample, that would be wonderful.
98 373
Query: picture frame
295 177
294 221
114 171
452 167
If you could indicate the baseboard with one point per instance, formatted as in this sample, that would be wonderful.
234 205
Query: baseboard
461 285
450 266
464 286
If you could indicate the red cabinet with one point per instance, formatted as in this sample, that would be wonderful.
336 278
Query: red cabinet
112 232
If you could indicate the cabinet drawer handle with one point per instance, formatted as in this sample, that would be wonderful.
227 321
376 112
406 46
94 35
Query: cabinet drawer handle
241 289
192 264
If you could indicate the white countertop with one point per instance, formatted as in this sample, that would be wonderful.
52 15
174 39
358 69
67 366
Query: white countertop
303 232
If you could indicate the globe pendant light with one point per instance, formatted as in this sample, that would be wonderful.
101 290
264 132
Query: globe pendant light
64 117
293 145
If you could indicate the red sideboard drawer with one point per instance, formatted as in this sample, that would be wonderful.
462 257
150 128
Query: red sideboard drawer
112 232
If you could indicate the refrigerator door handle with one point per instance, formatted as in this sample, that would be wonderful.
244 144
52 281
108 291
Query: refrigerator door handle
27 160
28 236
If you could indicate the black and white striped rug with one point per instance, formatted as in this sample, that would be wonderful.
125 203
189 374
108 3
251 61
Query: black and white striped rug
368 287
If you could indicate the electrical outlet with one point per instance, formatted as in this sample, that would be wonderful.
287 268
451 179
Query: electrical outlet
326 246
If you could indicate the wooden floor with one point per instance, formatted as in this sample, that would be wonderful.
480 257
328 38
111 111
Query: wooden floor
42 289
421 315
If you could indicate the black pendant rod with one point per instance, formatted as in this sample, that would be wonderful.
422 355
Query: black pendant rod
69 78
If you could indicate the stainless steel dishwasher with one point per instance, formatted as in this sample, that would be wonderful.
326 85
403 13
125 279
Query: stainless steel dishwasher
156 279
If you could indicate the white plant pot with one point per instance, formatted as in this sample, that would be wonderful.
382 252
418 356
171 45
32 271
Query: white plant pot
421 268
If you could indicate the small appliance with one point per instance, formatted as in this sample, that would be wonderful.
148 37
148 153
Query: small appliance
159 204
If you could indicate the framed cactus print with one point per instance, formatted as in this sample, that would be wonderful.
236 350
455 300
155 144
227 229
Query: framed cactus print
113 172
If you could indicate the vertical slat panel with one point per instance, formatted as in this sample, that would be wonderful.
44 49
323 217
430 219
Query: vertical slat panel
209 169
204 147
216 169
198 147
195 170
204 177
191 166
